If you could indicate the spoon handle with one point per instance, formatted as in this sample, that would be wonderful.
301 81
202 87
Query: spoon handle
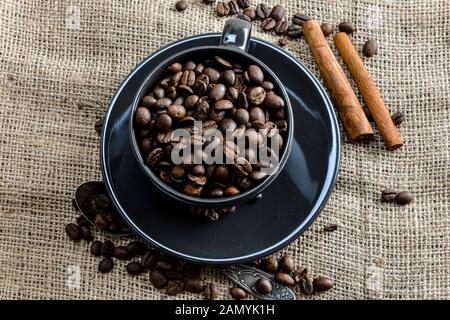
246 278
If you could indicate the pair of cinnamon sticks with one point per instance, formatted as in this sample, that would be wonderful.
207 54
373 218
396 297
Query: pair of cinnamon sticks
350 110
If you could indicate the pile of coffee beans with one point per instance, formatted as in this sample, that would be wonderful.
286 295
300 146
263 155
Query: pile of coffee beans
402 198
224 95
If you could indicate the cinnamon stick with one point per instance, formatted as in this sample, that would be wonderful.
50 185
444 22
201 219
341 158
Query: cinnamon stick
369 91
350 111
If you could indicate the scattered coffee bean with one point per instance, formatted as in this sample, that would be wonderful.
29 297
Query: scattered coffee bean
277 12
193 285
105 265
389 195
96 247
86 234
211 291
284 278
327 29
281 27
283 42
234 7
244 3
370 48
149 259
263 11
238 293
243 17
121 253
223 9
294 31
107 249
330 227
181 5
174 287
134 268
287 264
322 283
306 286
404 197
347 27
270 264
98 126
158 279
136 248
268 24
263 286
73 232
398 118
300 18
299 274
250 13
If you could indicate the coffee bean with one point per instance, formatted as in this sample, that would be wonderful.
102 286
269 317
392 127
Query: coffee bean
158 279
234 7
347 27
187 78
243 17
148 102
134 268
193 285
102 201
294 31
269 264
190 102
218 92
263 11
174 287
267 85
95 248
306 286
223 9
143 117
284 278
277 12
149 259
98 126
250 13
185 90
192 190
281 27
330 227
263 286
73 232
199 69
232 191
121 253
287 264
158 92
299 274
238 293
268 24
273 101
211 291
105 265
322 284
300 18
389 195
136 248
228 78
256 95
189 66
154 156
257 114
222 63
227 124
181 5
370 48
244 3
223 105
164 122
327 29
86 234
162 104
107 249
175 67
404 197
398 118
283 41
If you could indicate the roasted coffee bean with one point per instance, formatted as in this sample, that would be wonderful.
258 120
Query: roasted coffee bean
105 265
284 278
250 13
192 190
121 253
263 286
327 29
294 31
149 259
244 3
223 9
198 170
164 122
238 293
189 66
217 92
212 74
211 291
221 173
330 228
306 286
162 104
175 67
86 234
73 232
347 27
268 24
287 264
389 195
176 112
107 249
267 85
158 92
232 191
222 63
174 287
154 156
322 283
243 17
158 279
273 101
281 27
300 18
257 114
181 5
269 264
404 197
96 247
263 11
216 192
228 210
228 77
136 248
242 116
194 285
370 48
299 274
283 42
223 105
98 126
187 78
398 118
277 12
227 124
185 90
190 102
134 268
234 7
148 102
232 94
256 95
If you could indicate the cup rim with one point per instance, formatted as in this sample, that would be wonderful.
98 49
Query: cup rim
222 201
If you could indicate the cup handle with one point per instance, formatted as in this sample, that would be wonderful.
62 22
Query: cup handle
236 33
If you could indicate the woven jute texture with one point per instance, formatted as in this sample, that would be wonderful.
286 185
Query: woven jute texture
61 62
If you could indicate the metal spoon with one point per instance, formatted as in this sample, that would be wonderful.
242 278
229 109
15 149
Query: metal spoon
241 275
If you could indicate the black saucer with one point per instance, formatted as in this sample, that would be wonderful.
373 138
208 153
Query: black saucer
257 229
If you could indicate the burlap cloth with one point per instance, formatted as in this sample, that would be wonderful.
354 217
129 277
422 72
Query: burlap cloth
62 61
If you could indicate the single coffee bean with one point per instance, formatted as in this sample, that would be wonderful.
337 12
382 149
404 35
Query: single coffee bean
284 278
189 66
330 228
234 7
121 253
287 264
238 293
190 102
185 90
257 114
164 122
158 92
398 118
149 259
96 247
177 112
105 265
154 157
198 170
227 124
403 198
243 17
162 104
306 286
174 287
192 190
244 3
86 234
263 11
242 116
199 69
148 102
299 274
175 67
250 13
134 268
268 24
218 92
223 9
300 18
211 291
213 74
187 78
281 27
221 173
158 279
193 285
232 191
322 284
327 29
294 31
283 42
223 105
389 195
263 286
347 27
256 95
216 192
277 12
273 101
73 232
98 126
269 264
370 48
136 248
107 249
267 85
181 5
228 77
143 117
222 63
